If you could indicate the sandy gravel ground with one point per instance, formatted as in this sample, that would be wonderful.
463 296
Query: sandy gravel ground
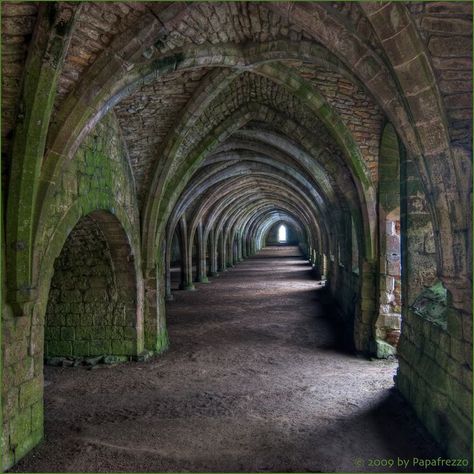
255 380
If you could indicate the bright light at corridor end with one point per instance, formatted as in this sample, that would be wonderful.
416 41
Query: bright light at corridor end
282 233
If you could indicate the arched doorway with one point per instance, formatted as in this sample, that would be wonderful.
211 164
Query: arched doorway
282 234
92 303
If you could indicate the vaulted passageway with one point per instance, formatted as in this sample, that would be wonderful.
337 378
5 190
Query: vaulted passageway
256 380
190 132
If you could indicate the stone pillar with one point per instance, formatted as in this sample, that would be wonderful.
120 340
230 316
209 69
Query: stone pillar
186 257
435 361
201 260
156 336
317 266
161 341
229 251
365 312
248 245
222 253
213 256
243 244
253 246
167 271
239 249
151 306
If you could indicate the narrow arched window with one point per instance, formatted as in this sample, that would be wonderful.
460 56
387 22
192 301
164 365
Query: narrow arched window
282 233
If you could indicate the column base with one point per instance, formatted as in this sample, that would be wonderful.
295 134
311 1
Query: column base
214 274
316 273
203 280
189 287
169 298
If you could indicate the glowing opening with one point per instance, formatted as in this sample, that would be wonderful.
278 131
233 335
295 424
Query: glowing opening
282 233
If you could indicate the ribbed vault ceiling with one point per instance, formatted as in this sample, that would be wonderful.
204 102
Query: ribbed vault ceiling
223 106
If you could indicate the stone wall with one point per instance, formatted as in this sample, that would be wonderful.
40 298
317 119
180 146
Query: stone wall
435 349
446 28
435 376
305 116
358 110
18 20
86 313
98 178
344 281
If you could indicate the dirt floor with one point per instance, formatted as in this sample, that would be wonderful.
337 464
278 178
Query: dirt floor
254 381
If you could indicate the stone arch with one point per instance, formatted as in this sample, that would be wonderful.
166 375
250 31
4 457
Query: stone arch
93 300
125 278
169 195
269 232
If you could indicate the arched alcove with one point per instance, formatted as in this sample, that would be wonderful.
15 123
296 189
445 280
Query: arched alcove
92 303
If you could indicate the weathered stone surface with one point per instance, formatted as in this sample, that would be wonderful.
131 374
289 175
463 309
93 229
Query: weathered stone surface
456 26
181 133
449 8
385 350
18 20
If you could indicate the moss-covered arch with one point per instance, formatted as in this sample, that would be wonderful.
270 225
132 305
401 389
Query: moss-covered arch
93 304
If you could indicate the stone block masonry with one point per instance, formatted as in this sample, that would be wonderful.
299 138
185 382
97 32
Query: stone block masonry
87 315
93 305
349 121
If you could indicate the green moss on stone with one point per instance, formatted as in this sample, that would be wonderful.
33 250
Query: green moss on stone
431 304
31 392
384 350
20 428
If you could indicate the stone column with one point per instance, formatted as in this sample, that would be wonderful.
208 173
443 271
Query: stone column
248 245
239 249
363 334
213 256
222 253
186 257
156 336
167 271
244 247
201 260
150 310
229 251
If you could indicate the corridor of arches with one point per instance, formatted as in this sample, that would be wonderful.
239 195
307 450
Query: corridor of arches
168 170
257 378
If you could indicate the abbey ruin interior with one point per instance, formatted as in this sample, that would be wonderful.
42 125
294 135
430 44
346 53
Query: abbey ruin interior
236 236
